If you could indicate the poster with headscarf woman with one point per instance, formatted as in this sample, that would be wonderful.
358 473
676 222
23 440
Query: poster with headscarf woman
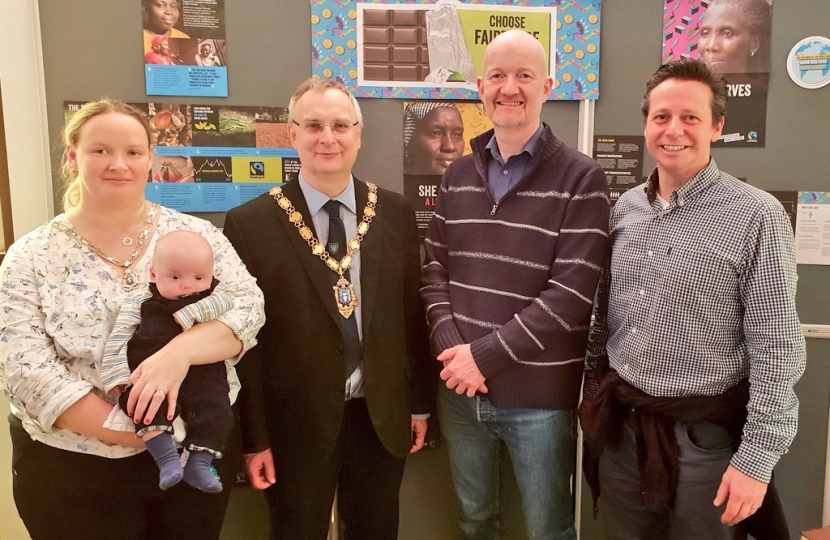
435 133
185 52
733 37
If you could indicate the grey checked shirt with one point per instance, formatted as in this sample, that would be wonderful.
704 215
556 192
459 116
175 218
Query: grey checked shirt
700 295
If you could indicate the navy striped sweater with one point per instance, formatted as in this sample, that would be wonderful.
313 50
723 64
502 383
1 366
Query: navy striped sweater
516 279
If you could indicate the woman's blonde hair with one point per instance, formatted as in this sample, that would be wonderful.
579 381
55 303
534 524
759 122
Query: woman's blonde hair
72 133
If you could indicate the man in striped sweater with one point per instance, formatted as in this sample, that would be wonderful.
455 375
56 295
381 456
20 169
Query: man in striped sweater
513 256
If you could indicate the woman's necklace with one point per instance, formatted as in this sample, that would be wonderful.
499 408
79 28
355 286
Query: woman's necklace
127 240
344 294
129 280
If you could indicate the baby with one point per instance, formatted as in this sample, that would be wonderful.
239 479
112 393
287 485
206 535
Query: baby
181 293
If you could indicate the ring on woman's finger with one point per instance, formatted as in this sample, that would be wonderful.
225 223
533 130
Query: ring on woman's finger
162 392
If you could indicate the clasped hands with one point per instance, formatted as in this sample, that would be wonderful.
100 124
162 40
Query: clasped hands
461 372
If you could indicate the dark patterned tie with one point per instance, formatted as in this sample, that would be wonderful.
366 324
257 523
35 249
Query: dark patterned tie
336 246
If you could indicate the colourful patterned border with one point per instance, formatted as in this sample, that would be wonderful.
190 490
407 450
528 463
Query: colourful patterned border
814 197
334 55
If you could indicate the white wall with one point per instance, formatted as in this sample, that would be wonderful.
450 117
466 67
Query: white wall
11 528
24 108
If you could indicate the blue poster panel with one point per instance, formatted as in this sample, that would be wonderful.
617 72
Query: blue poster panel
211 158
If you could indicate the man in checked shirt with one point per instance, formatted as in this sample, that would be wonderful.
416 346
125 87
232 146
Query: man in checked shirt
689 398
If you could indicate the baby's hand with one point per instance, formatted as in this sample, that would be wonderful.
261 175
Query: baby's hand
118 390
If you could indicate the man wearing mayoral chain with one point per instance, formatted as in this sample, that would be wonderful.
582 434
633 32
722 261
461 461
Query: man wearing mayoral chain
334 394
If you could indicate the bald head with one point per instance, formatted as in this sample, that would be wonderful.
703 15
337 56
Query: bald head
182 264
520 43
183 245
513 87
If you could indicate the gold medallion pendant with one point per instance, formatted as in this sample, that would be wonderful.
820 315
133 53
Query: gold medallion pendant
344 295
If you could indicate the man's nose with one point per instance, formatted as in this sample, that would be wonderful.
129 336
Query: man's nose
510 85
675 127
327 135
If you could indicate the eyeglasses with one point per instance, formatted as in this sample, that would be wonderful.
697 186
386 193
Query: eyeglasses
312 129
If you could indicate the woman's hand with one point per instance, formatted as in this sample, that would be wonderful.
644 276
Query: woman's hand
159 376
204 343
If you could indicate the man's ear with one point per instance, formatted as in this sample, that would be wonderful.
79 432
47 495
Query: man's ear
548 86
292 134
717 129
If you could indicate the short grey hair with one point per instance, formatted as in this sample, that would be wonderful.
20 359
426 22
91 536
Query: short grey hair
317 83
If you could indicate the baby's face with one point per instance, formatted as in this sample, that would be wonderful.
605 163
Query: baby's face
177 277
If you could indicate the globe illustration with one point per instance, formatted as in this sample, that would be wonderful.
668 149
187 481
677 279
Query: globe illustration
810 62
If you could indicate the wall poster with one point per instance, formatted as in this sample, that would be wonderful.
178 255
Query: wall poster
184 48
428 49
812 230
435 133
211 158
734 38
621 159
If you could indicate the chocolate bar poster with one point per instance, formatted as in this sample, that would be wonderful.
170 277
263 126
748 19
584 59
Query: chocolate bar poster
428 49
185 52
435 134
211 158
733 37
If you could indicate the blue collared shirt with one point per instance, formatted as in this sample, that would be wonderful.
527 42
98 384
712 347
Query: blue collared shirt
502 176
348 213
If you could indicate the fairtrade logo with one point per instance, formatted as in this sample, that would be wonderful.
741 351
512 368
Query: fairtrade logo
257 169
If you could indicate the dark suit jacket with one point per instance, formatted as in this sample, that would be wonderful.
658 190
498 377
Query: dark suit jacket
293 380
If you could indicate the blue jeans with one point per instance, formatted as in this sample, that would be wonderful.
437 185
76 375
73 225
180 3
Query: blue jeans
541 444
